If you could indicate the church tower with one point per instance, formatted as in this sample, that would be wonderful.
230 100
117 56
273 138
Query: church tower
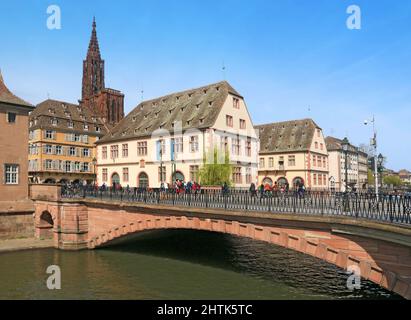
93 68
107 104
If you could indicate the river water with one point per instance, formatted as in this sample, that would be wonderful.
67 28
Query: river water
177 264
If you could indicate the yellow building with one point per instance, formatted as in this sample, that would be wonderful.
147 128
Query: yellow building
293 153
62 139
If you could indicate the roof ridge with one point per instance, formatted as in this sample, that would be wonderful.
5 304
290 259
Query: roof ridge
286 121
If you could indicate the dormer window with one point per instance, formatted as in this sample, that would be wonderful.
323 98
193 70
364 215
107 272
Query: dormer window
85 126
70 124
98 129
54 122
205 91
135 118
31 123
210 103
236 103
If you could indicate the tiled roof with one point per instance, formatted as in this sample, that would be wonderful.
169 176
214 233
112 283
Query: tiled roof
65 113
287 136
7 97
334 144
195 108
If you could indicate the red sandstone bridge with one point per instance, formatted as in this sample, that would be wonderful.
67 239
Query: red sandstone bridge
348 231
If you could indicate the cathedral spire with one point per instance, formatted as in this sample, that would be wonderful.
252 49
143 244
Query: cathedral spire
93 67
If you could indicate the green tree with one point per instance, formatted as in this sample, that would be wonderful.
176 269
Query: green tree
393 180
216 169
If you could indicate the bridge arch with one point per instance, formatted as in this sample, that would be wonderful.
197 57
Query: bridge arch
45 225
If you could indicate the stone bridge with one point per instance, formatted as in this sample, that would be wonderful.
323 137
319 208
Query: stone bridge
381 251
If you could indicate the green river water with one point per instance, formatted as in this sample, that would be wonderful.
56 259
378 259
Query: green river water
179 264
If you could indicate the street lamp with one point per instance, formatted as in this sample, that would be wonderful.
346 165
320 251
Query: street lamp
345 145
380 164
94 162
374 144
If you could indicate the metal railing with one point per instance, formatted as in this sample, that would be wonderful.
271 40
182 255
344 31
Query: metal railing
387 208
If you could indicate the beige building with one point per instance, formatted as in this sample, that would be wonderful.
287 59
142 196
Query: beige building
405 176
293 153
357 166
13 156
167 138
62 140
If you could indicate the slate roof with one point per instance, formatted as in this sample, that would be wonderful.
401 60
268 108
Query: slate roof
7 97
334 144
195 108
65 112
287 136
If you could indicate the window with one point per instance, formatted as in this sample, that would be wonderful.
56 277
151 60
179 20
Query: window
85 126
86 152
320 179
11 173
142 148
262 163
114 152
178 145
162 174
104 153
224 144
236 103
125 174
229 121
194 173
194 144
71 124
316 145
271 162
125 150
324 162
105 175
142 164
84 139
11 117
321 146
54 122
48 149
318 133
236 146
59 150
237 177
50 134
314 161
315 179
291 161
77 138
72 151
242 124
248 176
248 147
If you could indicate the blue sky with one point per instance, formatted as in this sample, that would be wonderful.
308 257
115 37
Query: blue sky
290 59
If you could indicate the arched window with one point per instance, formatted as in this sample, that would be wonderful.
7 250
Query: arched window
298 182
143 180
178 175
115 178
268 180
282 182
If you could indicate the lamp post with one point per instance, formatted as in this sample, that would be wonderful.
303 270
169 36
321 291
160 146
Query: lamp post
380 166
345 145
374 145
94 162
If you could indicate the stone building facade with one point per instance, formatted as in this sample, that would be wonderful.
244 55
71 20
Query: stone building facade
293 153
16 209
167 138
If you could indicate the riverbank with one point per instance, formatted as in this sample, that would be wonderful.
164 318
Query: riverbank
24 244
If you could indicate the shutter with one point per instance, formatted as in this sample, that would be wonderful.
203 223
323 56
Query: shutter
158 144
